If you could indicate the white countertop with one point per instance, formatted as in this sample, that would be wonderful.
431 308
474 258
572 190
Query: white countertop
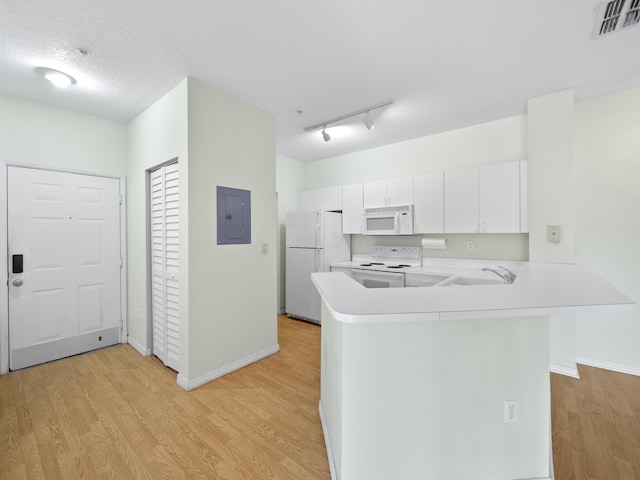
539 289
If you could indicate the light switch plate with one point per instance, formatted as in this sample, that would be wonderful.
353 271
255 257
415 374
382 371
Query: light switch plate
554 233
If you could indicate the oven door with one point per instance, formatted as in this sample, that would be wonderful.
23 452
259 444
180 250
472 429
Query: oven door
377 279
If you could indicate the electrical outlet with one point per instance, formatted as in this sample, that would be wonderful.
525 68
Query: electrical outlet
510 411
470 246
265 248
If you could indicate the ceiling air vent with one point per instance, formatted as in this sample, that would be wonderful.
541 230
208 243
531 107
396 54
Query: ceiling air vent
616 15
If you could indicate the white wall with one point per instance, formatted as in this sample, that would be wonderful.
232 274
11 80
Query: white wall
608 219
291 176
39 134
232 288
157 135
36 134
551 174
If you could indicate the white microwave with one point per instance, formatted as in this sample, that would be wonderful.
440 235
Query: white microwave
388 220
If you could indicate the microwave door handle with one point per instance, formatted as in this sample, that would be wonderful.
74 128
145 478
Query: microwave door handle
397 222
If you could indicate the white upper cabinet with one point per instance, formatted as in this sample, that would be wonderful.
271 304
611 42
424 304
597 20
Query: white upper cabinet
329 199
524 198
392 192
461 201
428 203
499 187
352 208
483 199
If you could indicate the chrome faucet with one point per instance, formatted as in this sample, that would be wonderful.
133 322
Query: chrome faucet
508 276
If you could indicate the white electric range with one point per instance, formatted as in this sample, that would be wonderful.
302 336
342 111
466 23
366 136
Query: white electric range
384 268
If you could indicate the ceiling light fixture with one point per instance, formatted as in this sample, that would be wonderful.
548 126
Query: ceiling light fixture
325 135
58 78
367 121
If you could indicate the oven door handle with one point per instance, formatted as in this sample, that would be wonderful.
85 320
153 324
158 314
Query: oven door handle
377 273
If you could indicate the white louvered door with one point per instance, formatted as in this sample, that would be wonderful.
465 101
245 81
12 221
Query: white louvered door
165 262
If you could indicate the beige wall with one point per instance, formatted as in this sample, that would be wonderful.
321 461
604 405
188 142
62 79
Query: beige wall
157 135
39 134
232 288
551 174
608 219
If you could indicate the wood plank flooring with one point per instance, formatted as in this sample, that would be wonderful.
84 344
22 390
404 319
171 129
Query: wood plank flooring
114 414
596 425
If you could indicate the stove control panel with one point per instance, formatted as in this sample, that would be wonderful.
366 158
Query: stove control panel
395 253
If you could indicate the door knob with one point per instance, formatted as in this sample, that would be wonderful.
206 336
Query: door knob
17 282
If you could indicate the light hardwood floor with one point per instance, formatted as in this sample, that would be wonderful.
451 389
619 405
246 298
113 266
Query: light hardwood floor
113 414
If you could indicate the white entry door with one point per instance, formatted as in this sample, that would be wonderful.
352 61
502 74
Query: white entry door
165 263
64 264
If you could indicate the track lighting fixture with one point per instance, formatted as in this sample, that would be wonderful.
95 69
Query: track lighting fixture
366 120
325 135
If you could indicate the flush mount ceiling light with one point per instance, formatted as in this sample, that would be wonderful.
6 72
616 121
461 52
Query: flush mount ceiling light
367 121
58 78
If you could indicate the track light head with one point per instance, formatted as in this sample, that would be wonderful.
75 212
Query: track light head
368 122
325 135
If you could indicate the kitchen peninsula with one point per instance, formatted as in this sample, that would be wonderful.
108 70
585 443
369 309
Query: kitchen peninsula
446 382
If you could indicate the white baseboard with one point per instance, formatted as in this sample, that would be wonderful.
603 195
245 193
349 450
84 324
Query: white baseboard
564 370
281 311
208 377
145 352
327 442
616 367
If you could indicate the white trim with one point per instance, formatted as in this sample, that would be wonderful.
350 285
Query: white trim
189 385
281 311
327 442
615 367
61 169
4 273
145 352
123 254
564 370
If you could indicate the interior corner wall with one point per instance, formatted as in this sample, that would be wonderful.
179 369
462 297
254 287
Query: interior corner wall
608 220
157 135
551 172
232 292
291 177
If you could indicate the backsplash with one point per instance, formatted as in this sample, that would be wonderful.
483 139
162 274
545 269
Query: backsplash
499 246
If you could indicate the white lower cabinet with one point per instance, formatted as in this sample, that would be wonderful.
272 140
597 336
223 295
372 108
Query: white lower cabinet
428 203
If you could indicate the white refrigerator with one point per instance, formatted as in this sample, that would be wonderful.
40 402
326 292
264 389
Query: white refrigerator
314 242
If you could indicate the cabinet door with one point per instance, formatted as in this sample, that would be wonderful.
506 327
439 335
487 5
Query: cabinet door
461 201
499 187
331 199
375 194
400 191
428 203
524 198
352 208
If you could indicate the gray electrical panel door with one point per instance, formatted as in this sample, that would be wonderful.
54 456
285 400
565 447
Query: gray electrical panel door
234 216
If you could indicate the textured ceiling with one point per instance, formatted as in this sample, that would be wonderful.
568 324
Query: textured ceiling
444 64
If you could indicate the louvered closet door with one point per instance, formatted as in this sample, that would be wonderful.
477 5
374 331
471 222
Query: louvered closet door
165 258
